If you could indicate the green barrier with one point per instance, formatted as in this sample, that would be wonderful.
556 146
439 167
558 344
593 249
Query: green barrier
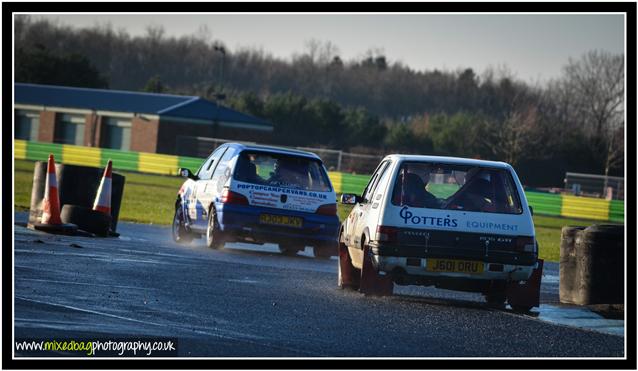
38 151
544 203
617 211
122 160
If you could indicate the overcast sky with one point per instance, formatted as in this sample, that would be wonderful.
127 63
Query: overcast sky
533 47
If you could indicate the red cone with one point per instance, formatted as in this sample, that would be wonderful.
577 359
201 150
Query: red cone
103 198
51 202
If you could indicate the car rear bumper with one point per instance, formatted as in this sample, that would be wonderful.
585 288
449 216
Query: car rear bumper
495 265
242 223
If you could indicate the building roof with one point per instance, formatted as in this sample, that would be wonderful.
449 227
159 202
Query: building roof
175 106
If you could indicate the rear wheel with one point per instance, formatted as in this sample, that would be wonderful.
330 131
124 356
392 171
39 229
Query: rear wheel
213 234
178 230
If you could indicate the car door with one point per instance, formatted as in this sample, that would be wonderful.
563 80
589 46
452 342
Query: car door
199 201
361 212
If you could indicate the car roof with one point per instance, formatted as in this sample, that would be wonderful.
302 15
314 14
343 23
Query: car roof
273 149
450 160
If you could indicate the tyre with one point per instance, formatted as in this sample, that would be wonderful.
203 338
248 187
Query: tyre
213 234
86 219
178 230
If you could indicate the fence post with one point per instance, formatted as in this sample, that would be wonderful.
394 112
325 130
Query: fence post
339 160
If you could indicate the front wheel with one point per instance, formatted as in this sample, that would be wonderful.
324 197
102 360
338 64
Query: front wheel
213 234
178 230
348 277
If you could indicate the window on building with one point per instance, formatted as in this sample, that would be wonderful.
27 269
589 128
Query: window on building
117 133
27 124
69 129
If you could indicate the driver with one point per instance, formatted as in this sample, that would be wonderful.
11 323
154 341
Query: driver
477 196
287 173
412 192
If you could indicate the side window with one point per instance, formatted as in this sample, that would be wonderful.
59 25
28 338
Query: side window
385 173
222 171
374 180
206 170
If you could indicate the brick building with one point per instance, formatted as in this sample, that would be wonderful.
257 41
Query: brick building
130 121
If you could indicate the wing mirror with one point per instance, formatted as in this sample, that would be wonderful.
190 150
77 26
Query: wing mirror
531 211
350 199
186 173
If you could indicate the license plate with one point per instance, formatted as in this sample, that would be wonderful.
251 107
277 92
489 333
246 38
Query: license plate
456 266
290 221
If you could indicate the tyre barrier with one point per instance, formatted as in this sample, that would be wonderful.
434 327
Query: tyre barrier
87 219
591 267
77 185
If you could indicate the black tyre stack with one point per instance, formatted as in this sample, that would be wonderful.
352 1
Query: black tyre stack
592 265
77 187
87 219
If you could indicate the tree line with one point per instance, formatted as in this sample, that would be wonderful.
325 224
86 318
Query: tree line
368 105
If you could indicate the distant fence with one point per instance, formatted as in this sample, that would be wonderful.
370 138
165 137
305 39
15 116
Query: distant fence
334 160
592 185
543 203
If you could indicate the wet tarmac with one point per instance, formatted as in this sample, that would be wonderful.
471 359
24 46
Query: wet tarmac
248 300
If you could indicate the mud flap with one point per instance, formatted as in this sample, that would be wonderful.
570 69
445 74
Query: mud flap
527 294
372 283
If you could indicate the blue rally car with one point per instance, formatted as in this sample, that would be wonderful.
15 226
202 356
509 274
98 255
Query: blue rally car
259 194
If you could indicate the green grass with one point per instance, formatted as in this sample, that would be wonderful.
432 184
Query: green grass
149 199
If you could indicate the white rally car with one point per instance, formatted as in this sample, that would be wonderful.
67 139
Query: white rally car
453 223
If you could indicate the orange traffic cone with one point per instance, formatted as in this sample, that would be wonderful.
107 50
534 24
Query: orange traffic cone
50 221
51 202
103 199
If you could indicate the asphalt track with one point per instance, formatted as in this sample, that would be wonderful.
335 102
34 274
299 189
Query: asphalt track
251 301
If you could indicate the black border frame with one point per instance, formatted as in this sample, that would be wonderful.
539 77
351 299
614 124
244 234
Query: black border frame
629 8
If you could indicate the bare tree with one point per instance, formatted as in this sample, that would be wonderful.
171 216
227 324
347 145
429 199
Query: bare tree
596 85
520 135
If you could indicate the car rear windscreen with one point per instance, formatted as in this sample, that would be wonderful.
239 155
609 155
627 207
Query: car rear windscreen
456 187
279 170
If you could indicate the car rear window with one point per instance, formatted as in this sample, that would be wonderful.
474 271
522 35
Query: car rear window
283 171
456 187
